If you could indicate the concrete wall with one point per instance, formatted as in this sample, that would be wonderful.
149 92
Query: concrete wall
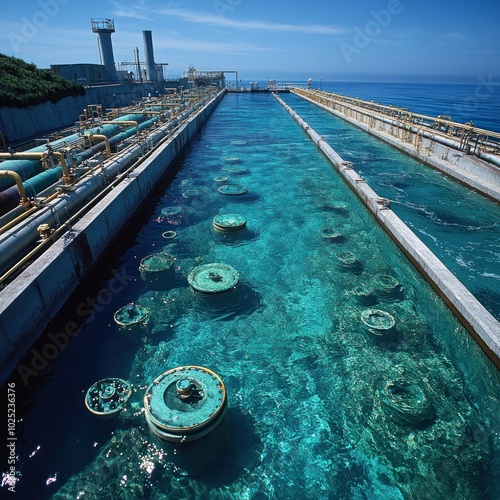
483 326
33 299
19 125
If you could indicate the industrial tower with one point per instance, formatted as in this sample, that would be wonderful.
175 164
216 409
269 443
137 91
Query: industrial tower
104 28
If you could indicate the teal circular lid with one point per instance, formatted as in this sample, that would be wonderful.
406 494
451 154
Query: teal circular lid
379 320
171 210
232 160
221 178
229 222
131 315
232 189
156 262
107 396
213 278
184 399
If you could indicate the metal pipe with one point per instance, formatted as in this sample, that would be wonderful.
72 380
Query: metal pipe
19 183
41 156
103 138
123 122
13 243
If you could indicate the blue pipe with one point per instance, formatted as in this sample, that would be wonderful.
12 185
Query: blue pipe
29 168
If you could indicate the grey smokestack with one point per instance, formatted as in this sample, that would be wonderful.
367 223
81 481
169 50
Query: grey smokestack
150 59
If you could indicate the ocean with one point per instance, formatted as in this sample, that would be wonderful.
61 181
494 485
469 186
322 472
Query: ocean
321 405
477 102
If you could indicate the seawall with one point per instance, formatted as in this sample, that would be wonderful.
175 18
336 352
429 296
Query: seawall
21 124
32 300
478 321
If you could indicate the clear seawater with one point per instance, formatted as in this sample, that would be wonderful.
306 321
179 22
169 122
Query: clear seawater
319 407
459 225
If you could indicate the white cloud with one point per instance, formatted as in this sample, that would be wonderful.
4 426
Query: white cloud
143 11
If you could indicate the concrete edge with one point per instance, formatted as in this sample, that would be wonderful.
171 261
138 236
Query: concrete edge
471 313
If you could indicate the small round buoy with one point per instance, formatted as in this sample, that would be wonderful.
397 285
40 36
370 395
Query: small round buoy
185 404
387 286
378 322
348 260
332 235
232 189
340 208
232 160
406 403
364 295
132 315
213 278
229 222
108 396
171 210
156 263
235 169
169 235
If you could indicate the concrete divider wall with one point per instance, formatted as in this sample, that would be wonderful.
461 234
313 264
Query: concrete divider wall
464 168
33 299
478 321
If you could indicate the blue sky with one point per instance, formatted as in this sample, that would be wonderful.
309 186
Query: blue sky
377 40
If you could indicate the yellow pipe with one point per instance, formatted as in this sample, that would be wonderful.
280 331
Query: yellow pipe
159 113
40 156
103 138
19 183
124 122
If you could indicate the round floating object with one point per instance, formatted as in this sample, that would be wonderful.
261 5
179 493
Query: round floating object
387 286
185 404
221 178
156 263
229 222
378 322
169 235
406 403
348 260
340 207
235 169
108 396
332 235
232 160
213 278
232 189
171 210
132 315
364 295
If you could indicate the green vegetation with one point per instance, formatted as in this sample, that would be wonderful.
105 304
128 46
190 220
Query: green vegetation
23 84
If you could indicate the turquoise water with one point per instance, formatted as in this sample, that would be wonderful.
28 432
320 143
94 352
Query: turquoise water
460 226
319 406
